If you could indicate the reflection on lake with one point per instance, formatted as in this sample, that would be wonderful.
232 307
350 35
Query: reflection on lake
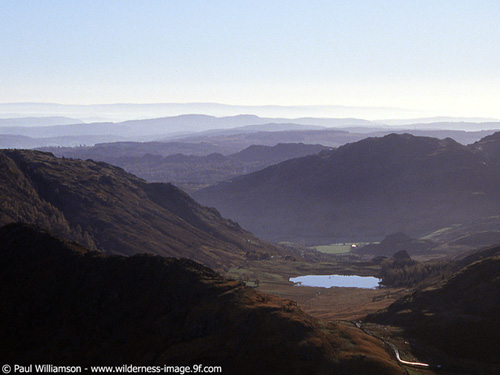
341 281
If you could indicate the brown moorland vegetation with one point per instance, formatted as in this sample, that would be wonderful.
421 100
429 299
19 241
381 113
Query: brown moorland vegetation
459 314
65 305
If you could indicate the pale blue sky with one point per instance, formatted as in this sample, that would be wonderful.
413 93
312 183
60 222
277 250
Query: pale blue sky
441 56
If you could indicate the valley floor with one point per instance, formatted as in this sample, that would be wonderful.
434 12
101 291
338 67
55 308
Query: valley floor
347 306
271 276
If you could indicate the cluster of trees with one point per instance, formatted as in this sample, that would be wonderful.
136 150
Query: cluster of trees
406 274
46 216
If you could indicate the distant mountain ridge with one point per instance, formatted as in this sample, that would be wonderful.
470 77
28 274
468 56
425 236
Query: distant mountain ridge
364 190
170 125
38 121
21 141
438 119
332 137
123 111
196 126
153 162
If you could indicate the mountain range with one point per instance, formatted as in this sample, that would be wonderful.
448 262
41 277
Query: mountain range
106 294
153 162
38 121
239 138
366 190
173 125
124 111
232 129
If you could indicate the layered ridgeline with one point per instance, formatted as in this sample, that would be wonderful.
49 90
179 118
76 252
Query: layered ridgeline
459 315
365 190
187 165
103 207
64 305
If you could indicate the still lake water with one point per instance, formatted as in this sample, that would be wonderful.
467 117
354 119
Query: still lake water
340 281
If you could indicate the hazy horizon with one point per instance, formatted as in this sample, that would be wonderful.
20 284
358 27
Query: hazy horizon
119 112
424 59
131 111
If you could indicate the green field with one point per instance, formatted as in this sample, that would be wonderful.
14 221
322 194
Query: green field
338 248
333 248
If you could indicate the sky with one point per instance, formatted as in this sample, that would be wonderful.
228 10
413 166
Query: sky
441 57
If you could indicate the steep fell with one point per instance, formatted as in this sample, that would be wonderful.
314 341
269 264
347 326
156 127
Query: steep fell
103 207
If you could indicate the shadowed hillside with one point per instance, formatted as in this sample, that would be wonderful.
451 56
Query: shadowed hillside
103 207
64 305
364 191
397 242
459 315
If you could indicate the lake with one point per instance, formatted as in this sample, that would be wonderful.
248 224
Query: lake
339 281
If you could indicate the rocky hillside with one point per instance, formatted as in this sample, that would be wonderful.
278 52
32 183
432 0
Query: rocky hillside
64 305
364 191
103 207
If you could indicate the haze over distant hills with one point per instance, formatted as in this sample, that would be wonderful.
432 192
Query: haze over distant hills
127 111
149 129
365 190
239 138
436 120
38 121
176 125
240 131
212 156
185 164
21 141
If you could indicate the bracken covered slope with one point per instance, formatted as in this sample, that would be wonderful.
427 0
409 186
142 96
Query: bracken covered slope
64 305
103 207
